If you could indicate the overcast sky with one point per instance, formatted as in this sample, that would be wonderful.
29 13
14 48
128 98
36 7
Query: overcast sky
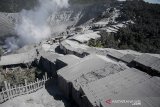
153 1
150 1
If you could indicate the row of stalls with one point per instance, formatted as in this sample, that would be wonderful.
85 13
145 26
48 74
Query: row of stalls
149 63
92 80
73 77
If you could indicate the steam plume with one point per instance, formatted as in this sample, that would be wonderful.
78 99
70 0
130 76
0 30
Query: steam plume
33 26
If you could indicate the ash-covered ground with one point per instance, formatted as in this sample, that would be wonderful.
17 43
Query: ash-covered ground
90 51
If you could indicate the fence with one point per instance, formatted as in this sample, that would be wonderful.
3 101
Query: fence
10 92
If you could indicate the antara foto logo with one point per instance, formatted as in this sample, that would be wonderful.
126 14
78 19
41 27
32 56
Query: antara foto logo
109 101
132 102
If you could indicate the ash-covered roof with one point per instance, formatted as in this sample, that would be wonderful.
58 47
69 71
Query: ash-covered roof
69 59
94 75
21 58
146 60
74 46
144 94
156 66
128 58
50 56
86 65
113 85
115 54
90 68
82 38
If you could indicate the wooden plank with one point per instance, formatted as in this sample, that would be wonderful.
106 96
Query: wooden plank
9 90
1 97
15 90
6 87
26 86
3 93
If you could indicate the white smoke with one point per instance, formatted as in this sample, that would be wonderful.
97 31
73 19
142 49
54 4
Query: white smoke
11 44
33 26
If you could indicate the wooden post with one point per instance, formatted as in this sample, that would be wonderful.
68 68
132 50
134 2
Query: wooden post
43 79
26 86
3 94
45 76
15 90
31 87
19 91
1 98
37 83
7 90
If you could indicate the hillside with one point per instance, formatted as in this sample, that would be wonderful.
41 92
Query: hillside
89 1
93 53
143 35
16 5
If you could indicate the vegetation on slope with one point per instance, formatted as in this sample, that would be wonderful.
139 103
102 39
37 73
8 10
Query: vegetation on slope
16 76
12 6
144 35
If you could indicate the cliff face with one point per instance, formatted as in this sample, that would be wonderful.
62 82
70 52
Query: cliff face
12 6
76 14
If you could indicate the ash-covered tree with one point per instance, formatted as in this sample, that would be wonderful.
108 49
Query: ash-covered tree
143 35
